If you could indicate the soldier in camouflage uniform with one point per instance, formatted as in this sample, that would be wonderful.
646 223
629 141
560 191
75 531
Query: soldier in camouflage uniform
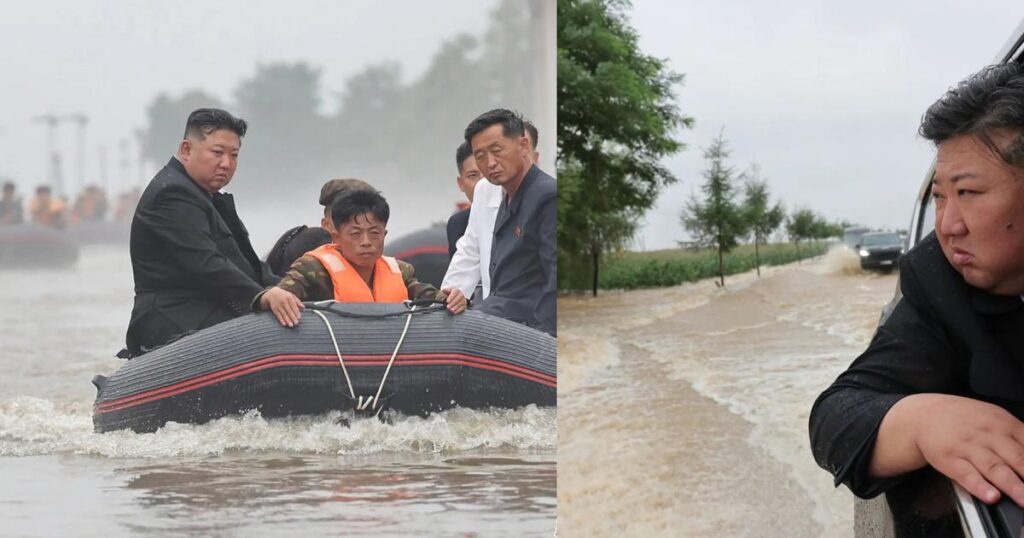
360 217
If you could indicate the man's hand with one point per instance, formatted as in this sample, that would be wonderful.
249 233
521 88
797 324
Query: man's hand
284 304
976 444
456 300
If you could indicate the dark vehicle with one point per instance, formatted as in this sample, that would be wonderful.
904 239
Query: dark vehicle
926 503
880 250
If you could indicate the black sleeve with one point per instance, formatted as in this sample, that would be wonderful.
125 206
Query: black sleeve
909 354
452 237
183 228
455 229
546 311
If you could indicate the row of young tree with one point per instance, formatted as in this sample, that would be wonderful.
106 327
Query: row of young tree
385 126
732 208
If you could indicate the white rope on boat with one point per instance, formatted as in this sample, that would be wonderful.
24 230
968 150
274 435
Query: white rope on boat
369 402
374 400
330 331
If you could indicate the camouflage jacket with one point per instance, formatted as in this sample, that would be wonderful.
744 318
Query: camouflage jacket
308 280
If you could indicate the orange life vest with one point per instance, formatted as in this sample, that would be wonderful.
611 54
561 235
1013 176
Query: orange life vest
349 287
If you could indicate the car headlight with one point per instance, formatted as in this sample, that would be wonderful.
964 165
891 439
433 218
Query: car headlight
863 252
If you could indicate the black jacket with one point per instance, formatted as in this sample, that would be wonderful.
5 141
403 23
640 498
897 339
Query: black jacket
523 267
193 263
943 336
293 244
456 228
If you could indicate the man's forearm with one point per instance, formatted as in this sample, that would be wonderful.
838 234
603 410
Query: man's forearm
896 452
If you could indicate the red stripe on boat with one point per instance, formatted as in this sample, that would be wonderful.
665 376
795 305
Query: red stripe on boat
416 251
322 360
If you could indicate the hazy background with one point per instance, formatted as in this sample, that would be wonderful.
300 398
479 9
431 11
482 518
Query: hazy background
825 96
376 90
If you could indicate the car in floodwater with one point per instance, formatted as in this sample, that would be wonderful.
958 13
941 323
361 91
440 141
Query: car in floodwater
880 250
926 503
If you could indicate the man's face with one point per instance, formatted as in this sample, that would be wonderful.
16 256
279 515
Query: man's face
499 159
468 177
8 193
361 240
211 162
979 213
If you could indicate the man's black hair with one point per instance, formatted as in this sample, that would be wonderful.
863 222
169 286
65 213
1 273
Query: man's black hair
534 135
461 154
351 204
990 100
9 185
204 121
511 123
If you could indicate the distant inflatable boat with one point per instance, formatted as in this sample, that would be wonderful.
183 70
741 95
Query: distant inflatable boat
410 359
33 246
426 250
101 232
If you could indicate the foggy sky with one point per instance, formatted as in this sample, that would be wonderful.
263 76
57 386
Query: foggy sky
109 60
825 96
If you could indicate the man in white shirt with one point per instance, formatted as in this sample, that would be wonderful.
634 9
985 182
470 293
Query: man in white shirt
468 267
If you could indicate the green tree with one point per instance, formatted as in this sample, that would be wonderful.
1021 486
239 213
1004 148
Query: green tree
166 123
616 119
800 225
717 221
760 219
281 103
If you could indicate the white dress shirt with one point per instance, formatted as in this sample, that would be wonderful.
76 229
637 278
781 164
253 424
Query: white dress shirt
471 263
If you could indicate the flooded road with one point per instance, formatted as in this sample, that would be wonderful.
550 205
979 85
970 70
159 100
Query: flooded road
458 473
683 411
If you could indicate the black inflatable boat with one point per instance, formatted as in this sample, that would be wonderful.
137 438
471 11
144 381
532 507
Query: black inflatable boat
426 250
413 359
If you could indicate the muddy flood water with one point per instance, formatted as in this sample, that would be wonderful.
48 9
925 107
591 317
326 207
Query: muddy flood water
683 411
459 473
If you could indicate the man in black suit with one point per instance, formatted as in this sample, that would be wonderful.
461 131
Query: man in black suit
193 263
523 254
942 382
469 174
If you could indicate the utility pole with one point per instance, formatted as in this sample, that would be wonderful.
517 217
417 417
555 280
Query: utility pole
81 120
140 143
104 177
53 158
125 162
543 62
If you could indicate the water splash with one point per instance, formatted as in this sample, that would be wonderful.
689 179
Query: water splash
32 426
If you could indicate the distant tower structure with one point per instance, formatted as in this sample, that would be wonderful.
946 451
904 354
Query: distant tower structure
52 157
104 175
81 120
140 145
125 163
542 18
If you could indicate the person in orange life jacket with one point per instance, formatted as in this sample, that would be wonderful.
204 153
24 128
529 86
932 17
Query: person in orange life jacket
352 268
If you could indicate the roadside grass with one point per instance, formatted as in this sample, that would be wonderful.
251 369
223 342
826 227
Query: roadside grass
671 267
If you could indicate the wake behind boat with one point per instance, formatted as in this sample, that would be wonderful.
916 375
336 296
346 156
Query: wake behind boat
440 361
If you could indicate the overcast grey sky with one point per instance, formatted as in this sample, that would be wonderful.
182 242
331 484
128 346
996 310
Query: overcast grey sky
109 59
825 96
